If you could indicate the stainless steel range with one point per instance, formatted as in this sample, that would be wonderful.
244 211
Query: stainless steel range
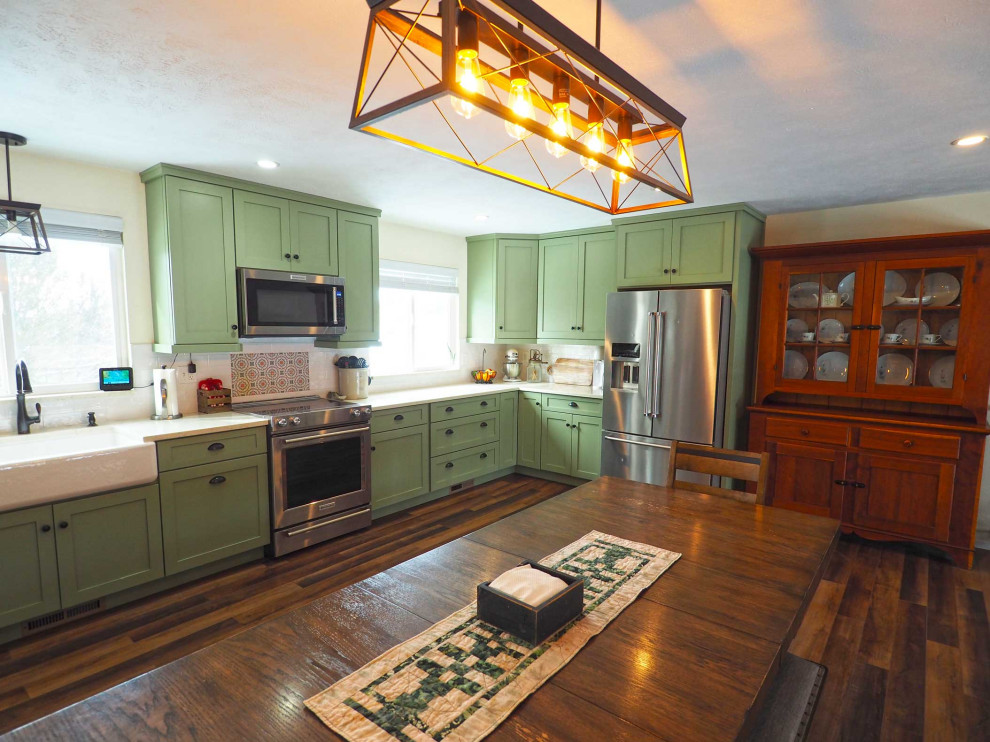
320 455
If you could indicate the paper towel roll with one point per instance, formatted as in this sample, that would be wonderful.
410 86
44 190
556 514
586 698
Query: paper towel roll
166 392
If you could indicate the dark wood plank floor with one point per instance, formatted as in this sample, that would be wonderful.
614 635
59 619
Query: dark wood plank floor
49 671
906 637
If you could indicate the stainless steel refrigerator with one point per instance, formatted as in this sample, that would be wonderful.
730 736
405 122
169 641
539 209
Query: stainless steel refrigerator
665 376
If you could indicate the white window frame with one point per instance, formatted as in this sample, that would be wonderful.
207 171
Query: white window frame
78 224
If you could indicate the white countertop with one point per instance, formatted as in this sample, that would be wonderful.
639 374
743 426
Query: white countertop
187 425
405 397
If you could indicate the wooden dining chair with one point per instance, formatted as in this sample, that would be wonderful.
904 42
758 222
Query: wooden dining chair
720 462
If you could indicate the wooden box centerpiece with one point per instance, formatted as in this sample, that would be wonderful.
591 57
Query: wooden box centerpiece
533 624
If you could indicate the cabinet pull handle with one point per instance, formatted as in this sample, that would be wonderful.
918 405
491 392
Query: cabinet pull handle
484 425
805 431
449 409
448 431
215 447
908 443
841 482
484 455
63 525
484 403
857 327
858 485
449 465
398 417
874 327
572 404
218 479
46 528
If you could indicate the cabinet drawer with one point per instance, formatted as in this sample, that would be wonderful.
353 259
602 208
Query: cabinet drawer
924 444
462 407
403 417
807 430
204 449
457 435
577 405
214 511
463 465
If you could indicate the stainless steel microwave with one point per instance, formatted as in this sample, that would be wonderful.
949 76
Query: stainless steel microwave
287 304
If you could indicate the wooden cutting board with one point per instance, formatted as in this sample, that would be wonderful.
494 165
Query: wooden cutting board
574 371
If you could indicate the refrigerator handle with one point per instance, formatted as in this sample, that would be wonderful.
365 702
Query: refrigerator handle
657 362
648 359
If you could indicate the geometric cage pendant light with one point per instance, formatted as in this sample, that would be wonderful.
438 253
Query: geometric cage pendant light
503 87
22 230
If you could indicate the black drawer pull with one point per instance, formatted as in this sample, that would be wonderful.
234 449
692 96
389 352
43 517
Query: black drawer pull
484 404
448 431
449 409
398 417
218 479
484 425
484 455
215 447
46 528
572 404
449 465
63 525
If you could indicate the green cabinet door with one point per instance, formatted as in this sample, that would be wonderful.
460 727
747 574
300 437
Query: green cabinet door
213 511
261 232
702 249
597 255
400 467
586 446
198 275
357 247
507 430
529 430
559 299
481 290
108 543
28 569
643 257
516 289
555 446
313 232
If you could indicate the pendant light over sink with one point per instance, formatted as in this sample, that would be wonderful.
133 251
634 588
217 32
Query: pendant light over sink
21 228
454 77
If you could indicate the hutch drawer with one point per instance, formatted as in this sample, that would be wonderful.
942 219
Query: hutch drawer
925 444
808 430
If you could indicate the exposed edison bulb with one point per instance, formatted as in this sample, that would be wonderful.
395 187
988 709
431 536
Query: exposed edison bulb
468 78
595 141
521 103
561 126
624 156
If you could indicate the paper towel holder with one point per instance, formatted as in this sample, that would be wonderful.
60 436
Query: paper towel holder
162 389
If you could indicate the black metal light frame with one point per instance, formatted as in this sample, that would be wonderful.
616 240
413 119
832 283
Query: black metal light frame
20 212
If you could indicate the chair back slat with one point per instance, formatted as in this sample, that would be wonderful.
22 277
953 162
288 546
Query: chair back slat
720 462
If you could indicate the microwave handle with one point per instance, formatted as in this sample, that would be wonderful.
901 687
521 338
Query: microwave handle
334 302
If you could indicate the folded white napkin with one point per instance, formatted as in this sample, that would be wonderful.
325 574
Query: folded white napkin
528 585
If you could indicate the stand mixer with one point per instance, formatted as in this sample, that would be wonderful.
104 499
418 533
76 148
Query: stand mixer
512 365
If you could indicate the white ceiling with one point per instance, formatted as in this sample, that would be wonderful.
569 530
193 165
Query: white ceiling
790 104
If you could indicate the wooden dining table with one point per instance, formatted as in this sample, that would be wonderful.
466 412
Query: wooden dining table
692 658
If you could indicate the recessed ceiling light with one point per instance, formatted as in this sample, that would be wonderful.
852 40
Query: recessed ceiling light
970 141
267 164
481 217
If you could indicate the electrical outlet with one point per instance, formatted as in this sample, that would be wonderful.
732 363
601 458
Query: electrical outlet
184 376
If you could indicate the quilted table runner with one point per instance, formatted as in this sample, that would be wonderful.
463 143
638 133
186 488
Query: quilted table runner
459 679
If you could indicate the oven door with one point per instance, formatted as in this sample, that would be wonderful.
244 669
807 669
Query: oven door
320 472
277 303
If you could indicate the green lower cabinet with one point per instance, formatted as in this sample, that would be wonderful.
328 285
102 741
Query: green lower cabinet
456 435
529 429
555 445
454 468
586 447
214 511
400 466
108 543
28 566
507 430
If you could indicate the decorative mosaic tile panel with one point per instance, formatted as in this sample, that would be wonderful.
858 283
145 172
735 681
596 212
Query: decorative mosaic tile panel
268 373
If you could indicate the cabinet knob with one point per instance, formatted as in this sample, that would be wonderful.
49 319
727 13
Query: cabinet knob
500 327
449 465
572 404
573 327
397 418
215 446
484 455
46 528
908 443
579 327
218 479
63 525
666 270
484 425
295 257
372 448
233 327
805 431
673 270
288 256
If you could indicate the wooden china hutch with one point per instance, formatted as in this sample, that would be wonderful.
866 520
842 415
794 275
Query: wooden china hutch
872 381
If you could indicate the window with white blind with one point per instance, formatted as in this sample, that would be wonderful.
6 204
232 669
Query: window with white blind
418 305
63 313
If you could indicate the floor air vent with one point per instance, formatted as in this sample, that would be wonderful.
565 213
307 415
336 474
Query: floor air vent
68 614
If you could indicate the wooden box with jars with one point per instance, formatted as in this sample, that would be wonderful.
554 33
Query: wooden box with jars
872 383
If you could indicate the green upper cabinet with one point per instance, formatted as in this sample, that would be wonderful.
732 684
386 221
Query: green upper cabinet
577 273
28 570
261 231
313 237
191 252
357 248
108 543
643 253
702 249
502 289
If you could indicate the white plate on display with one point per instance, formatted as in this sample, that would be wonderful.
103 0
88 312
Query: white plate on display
832 366
848 286
795 329
894 286
795 365
909 329
950 332
942 371
895 369
828 329
942 287
913 301
804 295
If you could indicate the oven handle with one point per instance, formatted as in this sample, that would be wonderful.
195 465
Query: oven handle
313 527
320 436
